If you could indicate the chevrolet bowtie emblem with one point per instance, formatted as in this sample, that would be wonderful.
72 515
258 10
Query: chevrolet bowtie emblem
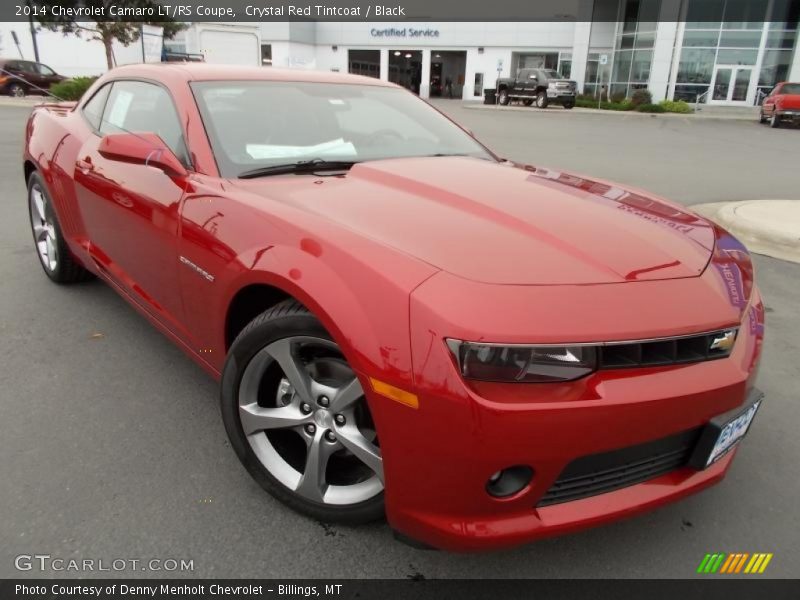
723 341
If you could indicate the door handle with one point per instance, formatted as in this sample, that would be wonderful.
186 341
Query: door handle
85 165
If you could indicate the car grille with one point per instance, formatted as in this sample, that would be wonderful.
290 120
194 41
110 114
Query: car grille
600 473
667 351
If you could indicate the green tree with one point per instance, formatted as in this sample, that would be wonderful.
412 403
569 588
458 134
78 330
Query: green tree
102 28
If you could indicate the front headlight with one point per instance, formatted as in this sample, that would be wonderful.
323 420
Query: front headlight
523 364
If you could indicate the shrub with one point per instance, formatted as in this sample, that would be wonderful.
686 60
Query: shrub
651 108
72 89
604 105
625 105
676 106
640 97
618 97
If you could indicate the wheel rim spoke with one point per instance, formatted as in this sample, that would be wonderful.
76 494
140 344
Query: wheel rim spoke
283 352
352 439
255 418
347 395
313 482
38 204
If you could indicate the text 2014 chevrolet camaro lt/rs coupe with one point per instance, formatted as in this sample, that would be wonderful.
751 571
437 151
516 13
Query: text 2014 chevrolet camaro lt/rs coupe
403 323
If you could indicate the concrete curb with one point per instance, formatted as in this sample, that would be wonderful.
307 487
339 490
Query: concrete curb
620 113
770 227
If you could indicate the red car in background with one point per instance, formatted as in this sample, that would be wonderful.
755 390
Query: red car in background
403 323
782 105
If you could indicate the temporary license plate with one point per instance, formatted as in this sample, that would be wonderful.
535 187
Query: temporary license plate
724 432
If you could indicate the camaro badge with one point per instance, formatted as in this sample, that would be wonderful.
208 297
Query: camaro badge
195 268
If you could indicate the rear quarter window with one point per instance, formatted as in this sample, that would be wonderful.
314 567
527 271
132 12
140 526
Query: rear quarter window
93 109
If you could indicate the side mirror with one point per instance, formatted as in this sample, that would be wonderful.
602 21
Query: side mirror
141 149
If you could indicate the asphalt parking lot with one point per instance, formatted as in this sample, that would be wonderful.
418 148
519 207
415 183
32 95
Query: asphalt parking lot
111 443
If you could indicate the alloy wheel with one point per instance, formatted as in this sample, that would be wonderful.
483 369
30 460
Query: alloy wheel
17 91
305 417
44 230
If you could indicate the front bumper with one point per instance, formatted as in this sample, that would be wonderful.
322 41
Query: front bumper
789 115
557 94
438 458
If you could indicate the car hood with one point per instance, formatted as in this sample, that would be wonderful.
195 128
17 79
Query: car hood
505 224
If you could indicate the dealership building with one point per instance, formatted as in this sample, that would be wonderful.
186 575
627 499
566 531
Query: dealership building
727 52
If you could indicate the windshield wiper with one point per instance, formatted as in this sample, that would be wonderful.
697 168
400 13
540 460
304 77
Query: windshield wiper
301 166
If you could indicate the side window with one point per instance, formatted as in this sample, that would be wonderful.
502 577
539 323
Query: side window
93 109
27 66
45 70
137 106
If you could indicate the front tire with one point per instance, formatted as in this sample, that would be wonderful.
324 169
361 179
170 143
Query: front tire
541 99
503 98
54 255
296 415
774 120
761 118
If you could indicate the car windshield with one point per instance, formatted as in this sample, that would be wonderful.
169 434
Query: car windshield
258 124
790 88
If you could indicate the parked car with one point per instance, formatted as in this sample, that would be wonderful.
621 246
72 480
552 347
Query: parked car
404 324
782 104
540 85
20 77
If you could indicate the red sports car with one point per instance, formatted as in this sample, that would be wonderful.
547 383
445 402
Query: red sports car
403 323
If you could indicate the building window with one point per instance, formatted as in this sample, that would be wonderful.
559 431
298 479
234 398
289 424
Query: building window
266 55
597 75
565 64
477 89
729 32
633 52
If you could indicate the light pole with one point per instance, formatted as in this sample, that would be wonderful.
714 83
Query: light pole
33 32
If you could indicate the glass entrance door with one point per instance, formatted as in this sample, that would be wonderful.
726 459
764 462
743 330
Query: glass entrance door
731 84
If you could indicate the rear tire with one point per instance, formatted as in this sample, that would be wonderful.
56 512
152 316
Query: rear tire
296 415
761 118
541 99
54 255
17 90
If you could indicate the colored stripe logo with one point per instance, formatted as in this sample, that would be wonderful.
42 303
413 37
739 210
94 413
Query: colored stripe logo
737 562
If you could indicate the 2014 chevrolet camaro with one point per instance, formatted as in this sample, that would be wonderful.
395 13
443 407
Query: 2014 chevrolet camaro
403 323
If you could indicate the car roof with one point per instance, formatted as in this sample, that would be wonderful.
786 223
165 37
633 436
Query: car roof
207 72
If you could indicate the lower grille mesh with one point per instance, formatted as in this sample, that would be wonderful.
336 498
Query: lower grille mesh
600 473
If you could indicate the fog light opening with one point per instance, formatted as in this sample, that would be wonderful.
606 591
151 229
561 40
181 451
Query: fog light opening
509 482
